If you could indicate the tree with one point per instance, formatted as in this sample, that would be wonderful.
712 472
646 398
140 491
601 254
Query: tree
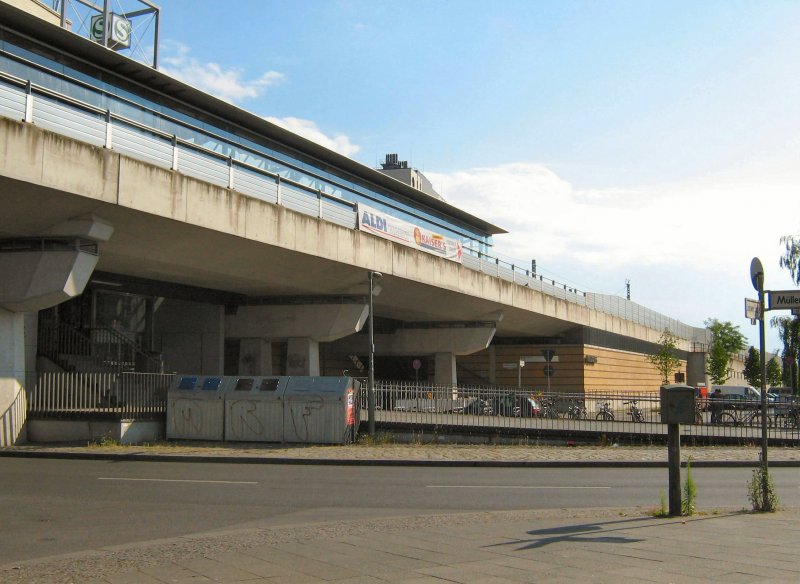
726 341
791 257
666 358
789 331
752 367
789 327
774 372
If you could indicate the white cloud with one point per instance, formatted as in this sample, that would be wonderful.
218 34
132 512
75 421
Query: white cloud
685 245
709 219
307 129
227 84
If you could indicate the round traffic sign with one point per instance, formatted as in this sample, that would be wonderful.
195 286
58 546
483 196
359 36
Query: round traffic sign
756 270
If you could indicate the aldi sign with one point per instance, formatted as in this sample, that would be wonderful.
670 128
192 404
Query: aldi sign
384 225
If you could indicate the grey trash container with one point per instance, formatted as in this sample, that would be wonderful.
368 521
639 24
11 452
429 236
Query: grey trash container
321 410
254 409
195 408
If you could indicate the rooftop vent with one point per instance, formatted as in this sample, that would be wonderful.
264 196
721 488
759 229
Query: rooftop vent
391 163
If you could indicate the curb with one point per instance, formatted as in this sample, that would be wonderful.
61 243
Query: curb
194 458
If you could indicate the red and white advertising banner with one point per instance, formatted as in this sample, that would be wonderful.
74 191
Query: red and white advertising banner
384 225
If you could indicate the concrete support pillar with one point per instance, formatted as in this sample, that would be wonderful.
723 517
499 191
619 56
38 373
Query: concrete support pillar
492 365
445 370
302 357
191 336
12 378
255 357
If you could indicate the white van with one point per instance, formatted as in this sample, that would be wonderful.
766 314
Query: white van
745 392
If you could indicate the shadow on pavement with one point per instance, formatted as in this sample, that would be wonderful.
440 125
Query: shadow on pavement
595 532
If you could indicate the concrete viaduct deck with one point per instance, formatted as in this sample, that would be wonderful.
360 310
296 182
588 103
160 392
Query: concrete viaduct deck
174 228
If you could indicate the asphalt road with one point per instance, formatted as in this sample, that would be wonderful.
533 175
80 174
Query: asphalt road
52 507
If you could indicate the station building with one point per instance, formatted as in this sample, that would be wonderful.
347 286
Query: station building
151 227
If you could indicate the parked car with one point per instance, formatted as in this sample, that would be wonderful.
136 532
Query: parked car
740 392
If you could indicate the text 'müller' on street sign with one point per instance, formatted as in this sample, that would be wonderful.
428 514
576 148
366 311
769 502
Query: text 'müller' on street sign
783 299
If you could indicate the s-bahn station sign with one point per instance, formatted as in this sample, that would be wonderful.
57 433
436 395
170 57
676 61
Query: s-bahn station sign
783 299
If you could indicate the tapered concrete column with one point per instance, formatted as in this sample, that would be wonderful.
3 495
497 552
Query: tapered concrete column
255 357
12 378
445 370
37 273
302 357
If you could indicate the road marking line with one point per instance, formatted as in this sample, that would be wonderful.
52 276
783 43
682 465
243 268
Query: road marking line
177 481
506 487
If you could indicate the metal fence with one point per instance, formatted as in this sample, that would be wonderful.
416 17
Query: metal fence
488 410
77 395
479 410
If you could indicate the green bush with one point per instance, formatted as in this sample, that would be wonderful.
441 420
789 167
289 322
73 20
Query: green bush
761 491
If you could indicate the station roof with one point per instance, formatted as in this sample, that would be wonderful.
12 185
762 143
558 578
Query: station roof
100 57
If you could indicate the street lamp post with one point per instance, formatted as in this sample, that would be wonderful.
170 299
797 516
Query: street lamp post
371 389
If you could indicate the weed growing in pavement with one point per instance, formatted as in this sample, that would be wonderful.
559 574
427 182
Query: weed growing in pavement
761 491
379 439
105 441
689 503
661 511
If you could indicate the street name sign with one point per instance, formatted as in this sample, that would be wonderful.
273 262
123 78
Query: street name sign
751 308
784 299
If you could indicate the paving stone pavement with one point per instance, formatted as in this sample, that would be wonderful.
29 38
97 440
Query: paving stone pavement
595 545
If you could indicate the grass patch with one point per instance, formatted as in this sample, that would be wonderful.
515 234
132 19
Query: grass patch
379 439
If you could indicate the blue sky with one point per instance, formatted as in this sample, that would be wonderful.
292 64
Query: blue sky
652 141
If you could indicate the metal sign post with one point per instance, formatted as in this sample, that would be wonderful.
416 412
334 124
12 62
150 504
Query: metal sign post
757 278
549 371
371 389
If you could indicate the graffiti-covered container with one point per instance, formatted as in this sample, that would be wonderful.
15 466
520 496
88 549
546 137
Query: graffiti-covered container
320 410
195 407
254 409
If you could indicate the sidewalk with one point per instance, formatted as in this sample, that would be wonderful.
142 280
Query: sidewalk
597 545
443 453
606 546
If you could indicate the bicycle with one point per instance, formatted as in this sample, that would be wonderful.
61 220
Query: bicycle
605 413
698 413
549 409
788 418
636 414
576 411
734 417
